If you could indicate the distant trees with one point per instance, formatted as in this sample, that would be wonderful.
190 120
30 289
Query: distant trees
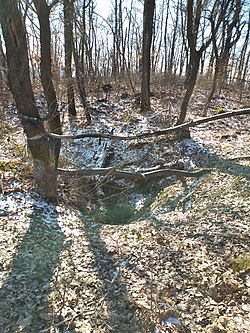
243 63
223 42
76 49
113 45
220 22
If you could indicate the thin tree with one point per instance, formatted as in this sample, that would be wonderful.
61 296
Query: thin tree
222 46
68 11
43 12
148 15
244 59
194 14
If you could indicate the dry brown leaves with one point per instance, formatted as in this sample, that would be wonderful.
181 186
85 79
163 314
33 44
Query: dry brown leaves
182 267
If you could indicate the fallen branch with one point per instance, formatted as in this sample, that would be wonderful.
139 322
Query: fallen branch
119 174
246 157
155 133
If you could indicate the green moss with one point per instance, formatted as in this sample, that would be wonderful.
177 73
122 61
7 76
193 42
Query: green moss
113 214
242 263
8 166
131 120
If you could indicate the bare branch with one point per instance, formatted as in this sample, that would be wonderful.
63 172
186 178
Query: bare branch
120 174
155 133
53 3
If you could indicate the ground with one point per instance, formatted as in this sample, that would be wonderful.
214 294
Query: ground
177 261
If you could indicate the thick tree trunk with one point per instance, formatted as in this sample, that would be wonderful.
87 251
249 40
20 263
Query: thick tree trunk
44 150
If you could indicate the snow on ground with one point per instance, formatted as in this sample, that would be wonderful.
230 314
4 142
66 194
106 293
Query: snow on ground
181 266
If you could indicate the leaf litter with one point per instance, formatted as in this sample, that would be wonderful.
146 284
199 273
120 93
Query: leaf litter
181 265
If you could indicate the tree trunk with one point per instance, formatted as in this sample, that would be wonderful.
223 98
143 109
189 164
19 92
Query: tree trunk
190 87
148 15
68 9
44 151
231 30
43 11
212 91
195 56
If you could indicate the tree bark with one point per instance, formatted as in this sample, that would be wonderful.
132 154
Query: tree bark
68 10
190 87
195 56
43 11
44 149
193 23
148 14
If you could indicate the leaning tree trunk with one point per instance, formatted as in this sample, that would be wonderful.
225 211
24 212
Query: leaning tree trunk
193 23
193 72
44 150
213 89
43 11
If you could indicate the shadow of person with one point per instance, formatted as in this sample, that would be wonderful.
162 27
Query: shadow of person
24 294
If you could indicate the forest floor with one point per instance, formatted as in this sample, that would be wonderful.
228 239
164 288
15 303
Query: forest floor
168 255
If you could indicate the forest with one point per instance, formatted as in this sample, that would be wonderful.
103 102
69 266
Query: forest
124 166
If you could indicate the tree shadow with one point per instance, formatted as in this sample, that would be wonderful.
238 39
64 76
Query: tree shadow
231 167
24 294
183 199
114 298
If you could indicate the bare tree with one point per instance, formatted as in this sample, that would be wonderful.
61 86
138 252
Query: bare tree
148 14
172 48
43 12
223 44
193 22
44 149
243 60
68 11
194 14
